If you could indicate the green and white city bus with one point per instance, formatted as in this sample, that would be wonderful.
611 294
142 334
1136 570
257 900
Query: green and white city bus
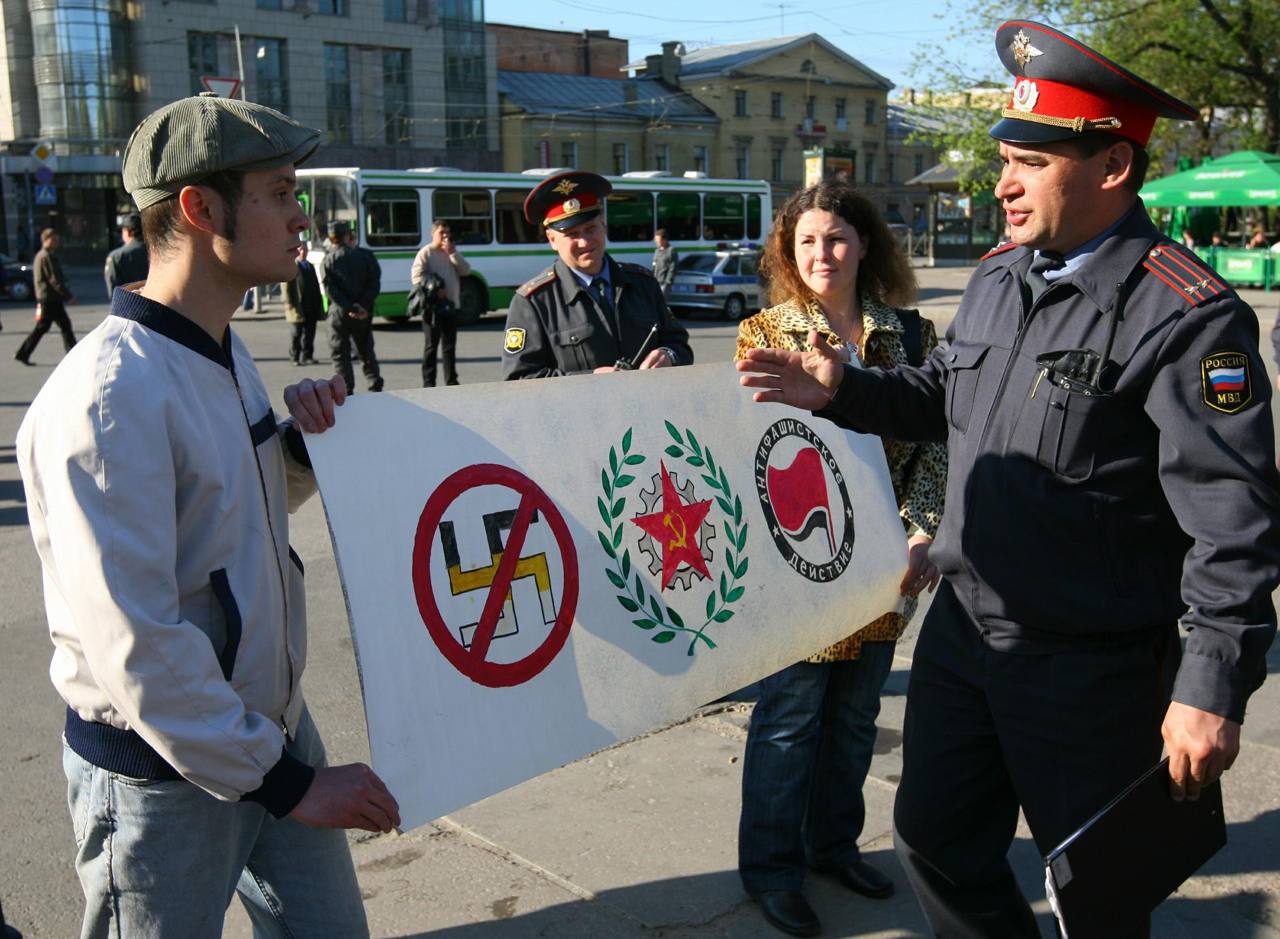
393 210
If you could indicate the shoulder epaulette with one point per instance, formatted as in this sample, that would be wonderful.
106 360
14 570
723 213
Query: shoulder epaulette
998 249
536 283
1183 272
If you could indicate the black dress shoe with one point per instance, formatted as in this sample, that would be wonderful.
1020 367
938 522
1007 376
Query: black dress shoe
789 911
861 877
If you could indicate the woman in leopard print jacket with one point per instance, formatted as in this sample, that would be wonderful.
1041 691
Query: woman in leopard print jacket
833 268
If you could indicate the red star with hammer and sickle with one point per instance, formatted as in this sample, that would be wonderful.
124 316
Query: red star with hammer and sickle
676 528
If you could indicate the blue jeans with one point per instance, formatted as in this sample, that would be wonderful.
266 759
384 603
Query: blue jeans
808 751
160 858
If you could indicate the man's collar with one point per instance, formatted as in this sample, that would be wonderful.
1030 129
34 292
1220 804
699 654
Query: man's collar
172 325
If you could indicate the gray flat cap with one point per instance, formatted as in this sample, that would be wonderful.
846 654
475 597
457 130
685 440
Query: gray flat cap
196 137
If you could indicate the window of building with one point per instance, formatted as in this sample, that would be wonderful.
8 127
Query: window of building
869 169
739 103
630 216
919 163
840 108
202 58
776 165
870 112
807 67
337 93
810 106
742 160
889 168
333 7
775 104
678 213
270 5
662 157
569 154
393 11
508 211
468 213
391 218
700 159
722 217
619 159
395 97
271 77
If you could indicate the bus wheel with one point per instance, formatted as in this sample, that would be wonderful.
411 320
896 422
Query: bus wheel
475 300
735 306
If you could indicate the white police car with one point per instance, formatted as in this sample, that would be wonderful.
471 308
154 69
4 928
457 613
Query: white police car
724 280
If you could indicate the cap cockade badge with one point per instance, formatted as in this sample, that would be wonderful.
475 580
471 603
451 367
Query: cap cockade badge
1023 51
571 206
1025 95
565 186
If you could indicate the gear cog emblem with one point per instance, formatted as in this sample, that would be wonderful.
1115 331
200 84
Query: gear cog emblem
652 501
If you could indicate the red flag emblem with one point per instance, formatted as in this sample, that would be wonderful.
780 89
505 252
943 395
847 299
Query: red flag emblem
798 495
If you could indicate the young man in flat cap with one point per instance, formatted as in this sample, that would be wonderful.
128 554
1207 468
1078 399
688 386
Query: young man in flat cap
158 485
1111 474
587 312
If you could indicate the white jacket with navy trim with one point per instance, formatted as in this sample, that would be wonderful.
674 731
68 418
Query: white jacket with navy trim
158 485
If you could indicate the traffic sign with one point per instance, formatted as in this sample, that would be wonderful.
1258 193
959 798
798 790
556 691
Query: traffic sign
44 175
473 661
221 86
46 195
43 155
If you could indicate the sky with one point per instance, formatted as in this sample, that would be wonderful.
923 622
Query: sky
884 34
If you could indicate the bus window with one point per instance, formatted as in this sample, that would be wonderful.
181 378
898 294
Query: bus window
678 214
391 218
334 201
630 215
753 217
508 209
722 217
468 213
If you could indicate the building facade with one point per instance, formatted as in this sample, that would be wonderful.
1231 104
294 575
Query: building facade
395 83
590 52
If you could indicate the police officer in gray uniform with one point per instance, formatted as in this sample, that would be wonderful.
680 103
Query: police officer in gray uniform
587 312
1111 474
128 263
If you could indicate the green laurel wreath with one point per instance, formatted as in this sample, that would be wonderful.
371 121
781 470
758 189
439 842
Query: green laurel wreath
633 599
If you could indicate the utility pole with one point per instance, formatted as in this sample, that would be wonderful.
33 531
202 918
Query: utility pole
240 63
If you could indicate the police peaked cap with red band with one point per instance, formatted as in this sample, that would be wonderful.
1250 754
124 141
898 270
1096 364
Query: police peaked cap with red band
566 199
1065 89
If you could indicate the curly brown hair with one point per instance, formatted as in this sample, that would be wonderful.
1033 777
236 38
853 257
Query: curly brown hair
883 275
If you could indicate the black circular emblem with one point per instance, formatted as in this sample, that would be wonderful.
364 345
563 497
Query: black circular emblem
798 479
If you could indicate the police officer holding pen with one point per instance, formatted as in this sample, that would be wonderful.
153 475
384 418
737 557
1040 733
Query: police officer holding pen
586 312
1111 474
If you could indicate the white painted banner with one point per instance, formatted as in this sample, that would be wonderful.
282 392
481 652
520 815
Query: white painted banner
535 570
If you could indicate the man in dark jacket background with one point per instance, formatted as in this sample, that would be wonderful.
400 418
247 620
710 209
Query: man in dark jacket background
304 307
352 279
52 296
128 263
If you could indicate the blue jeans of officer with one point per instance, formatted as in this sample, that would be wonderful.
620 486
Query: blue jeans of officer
160 858
808 751
1056 731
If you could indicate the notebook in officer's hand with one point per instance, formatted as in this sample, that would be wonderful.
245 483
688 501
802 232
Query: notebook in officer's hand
1135 852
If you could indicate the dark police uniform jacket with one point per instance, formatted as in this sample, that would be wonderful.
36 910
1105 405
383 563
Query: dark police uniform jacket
351 276
1077 513
556 327
127 264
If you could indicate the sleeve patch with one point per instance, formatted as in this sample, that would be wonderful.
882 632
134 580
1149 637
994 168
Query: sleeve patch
1226 381
514 340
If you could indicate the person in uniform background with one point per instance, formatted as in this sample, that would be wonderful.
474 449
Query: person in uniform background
1103 394
665 258
52 297
586 312
352 279
833 266
128 263
440 315
159 484
304 308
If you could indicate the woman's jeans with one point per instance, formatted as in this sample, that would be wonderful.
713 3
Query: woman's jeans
808 752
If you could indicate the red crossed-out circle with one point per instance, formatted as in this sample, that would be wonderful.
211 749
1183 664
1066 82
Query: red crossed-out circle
473 662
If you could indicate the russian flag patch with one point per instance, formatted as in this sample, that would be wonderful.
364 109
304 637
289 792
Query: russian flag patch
1225 379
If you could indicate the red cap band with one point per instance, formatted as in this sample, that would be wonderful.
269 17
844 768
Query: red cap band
1044 98
574 205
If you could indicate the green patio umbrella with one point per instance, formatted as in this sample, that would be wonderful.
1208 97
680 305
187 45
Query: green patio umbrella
1249 177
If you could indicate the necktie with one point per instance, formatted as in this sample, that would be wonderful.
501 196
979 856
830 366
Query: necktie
600 287
1042 262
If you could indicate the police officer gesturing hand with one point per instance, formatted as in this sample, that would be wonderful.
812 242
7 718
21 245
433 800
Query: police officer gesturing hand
1111 474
